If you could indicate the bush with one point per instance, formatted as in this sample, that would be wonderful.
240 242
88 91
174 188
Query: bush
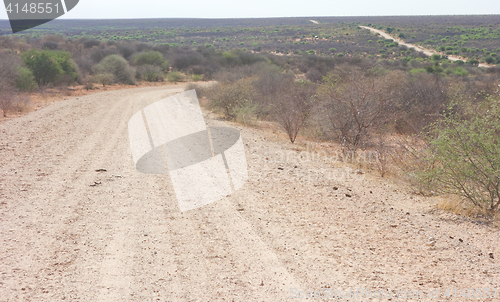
118 67
436 57
150 73
473 62
8 72
197 77
13 102
25 80
154 58
354 104
465 155
50 45
292 106
47 66
230 97
489 60
245 112
461 71
100 53
103 79
175 76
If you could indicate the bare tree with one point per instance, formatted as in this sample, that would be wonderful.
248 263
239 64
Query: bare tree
292 105
355 104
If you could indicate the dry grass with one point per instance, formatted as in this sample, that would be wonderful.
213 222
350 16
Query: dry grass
458 205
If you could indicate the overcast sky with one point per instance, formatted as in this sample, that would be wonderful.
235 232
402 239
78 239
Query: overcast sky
104 9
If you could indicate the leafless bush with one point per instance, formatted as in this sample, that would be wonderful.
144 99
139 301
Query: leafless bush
228 97
383 152
353 105
292 106
10 102
423 96
410 157
103 79
9 65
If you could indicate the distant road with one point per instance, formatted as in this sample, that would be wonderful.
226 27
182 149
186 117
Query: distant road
417 48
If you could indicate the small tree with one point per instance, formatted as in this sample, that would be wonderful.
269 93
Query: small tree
47 65
292 106
44 67
355 104
467 153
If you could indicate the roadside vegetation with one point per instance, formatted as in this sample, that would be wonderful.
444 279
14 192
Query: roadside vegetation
429 120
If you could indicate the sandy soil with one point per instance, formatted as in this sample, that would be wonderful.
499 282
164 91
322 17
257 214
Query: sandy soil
418 48
301 223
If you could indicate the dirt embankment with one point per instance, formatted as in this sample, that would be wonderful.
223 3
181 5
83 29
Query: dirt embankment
302 221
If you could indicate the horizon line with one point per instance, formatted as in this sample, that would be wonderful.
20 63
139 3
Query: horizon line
219 18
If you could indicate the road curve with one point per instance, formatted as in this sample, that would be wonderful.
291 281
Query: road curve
417 48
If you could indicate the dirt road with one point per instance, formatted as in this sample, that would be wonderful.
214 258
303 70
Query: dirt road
417 48
69 233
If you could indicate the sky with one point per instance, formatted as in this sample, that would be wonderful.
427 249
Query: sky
125 9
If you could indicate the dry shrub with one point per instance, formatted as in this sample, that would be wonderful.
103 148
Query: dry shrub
383 158
292 105
411 158
460 206
12 102
354 105
230 97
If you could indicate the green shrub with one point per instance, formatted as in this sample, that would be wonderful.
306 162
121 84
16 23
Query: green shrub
154 58
461 72
464 158
473 62
489 60
417 70
175 76
47 65
436 57
25 80
197 77
118 67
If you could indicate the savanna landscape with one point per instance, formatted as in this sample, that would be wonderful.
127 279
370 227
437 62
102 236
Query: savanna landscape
373 160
